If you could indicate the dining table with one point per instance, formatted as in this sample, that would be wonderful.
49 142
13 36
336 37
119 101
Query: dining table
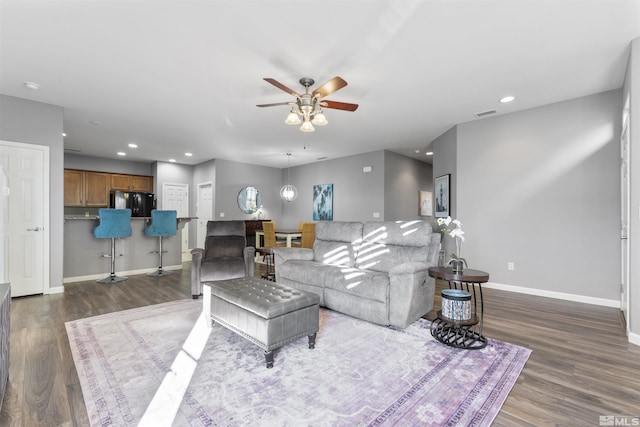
289 235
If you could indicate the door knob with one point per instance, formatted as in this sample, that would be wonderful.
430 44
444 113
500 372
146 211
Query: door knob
34 229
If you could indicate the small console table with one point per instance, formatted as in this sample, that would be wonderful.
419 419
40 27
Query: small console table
465 334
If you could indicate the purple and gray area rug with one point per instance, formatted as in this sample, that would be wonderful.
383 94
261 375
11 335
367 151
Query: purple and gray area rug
160 365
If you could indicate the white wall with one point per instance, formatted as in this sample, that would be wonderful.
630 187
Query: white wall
540 188
631 89
78 161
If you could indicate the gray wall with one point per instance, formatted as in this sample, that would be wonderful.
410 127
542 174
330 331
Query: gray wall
356 195
631 90
172 173
78 161
445 149
41 124
404 178
231 177
540 188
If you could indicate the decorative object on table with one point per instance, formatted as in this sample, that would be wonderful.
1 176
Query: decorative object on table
426 203
307 109
453 228
441 189
456 304
288 192
323 202
161 360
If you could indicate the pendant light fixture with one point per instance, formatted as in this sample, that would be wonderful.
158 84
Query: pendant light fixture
288 192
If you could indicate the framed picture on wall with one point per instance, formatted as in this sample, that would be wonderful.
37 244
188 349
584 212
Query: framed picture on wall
426 203
323 202
441 190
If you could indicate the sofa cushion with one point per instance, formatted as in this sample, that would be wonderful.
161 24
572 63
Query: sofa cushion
362 283
221 246
222 268
308 272
388 244
337 242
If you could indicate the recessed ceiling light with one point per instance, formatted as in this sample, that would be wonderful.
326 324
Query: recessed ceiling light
64 134
132 145
121 153
417 151
95 122
32 85
507 99
188 154
429 153
172 160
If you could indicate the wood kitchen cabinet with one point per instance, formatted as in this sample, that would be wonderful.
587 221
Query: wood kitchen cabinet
83 188
131 182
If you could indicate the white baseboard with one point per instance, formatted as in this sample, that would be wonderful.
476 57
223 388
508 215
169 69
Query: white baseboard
54 290
119 273
553 294
634 338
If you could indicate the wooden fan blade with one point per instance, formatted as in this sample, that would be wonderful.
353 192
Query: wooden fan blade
274 104
338 105
282 87
329 87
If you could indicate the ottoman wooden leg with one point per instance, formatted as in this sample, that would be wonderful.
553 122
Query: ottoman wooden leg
268 356
312 341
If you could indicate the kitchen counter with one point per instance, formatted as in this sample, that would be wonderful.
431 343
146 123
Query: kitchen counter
83 253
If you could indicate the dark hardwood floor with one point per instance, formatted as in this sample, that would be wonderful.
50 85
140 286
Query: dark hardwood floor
581 367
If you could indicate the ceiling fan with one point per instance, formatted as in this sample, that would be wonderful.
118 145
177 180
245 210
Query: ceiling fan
308 106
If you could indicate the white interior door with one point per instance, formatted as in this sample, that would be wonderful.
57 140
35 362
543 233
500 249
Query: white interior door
624 222
25 217
204 210
176 197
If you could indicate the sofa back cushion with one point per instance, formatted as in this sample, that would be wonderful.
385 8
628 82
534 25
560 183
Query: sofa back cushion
224 246
387 244
337 242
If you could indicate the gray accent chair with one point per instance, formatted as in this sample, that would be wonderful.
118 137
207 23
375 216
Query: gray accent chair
375 271
225 255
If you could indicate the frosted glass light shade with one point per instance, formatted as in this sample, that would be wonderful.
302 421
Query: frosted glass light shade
319 119
307 127
288 193
292 119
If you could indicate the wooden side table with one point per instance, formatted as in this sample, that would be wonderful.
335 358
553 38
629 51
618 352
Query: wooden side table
465 334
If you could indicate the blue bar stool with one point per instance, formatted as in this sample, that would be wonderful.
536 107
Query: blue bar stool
163 223
114 224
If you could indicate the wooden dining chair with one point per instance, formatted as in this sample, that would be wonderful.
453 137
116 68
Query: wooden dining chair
308 235
269 229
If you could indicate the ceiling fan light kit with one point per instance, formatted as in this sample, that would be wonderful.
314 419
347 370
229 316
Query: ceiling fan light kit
307 108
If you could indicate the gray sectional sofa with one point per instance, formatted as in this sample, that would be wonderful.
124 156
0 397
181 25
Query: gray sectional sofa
375 271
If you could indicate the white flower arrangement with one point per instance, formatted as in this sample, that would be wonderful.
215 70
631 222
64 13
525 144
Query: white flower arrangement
453 228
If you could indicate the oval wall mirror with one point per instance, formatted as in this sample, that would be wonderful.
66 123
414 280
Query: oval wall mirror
249 200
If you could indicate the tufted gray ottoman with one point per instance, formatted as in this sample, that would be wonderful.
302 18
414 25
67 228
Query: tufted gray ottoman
266 313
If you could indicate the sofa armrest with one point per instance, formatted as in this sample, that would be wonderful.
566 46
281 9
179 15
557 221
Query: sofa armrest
411 293
284 254
196 262
408 268
250 260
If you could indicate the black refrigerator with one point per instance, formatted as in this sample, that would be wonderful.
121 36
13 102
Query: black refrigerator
140 203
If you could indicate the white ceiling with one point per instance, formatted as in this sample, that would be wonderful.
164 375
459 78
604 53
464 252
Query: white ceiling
178 76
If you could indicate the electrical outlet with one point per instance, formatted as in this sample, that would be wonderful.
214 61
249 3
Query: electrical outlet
511 266
221 214
376 214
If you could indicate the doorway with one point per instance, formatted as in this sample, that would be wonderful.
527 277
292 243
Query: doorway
25 217
204 210
176 197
